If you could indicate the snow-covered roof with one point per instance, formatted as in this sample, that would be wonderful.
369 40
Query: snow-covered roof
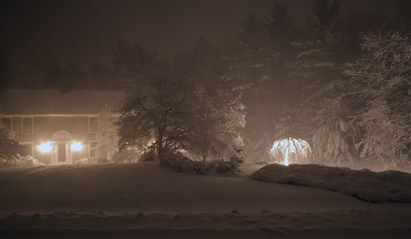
33 102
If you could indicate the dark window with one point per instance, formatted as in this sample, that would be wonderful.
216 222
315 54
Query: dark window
27 126
92 124
6 121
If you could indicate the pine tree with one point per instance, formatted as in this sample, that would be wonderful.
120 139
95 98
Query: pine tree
334 139
321 115
132 65
381 78
10 149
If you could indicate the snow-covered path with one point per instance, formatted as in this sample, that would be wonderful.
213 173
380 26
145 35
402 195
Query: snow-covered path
126 200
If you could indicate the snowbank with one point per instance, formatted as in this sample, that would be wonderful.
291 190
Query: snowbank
143 200
386 186
235 224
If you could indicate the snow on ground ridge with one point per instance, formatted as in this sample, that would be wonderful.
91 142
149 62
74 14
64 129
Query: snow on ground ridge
146 201
236 224
377 187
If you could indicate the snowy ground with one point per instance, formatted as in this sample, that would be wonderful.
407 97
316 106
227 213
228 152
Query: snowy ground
377 187
145 201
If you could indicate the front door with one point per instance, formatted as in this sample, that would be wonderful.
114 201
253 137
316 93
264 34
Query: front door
61 153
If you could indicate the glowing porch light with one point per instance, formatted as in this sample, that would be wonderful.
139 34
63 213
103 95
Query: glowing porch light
76 146
282 148
44 147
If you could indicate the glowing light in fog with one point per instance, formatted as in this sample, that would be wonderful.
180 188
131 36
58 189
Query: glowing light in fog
282 149
76 146
44 147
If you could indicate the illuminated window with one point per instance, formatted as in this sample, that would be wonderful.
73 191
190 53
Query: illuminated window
27 126
92 125
6 121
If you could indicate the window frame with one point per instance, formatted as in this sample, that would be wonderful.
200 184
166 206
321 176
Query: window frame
11 122
89 124
22 124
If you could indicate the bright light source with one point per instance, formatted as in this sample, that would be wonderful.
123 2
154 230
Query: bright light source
44 147
76 146
283 148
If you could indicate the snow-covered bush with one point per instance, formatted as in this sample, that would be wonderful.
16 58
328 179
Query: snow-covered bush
226 167
10 149
20 161
148 156
85 161
179 163
376 187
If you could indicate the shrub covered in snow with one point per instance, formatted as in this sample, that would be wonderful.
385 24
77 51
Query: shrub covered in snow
85 161
20 161
387 186
10 149
180 163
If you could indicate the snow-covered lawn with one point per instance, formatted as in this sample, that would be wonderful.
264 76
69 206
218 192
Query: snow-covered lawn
146 201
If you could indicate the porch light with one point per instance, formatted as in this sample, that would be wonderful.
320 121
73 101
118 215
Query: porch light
44 147
76 146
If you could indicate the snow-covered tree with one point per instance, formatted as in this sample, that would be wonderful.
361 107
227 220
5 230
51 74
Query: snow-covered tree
107 139
334 139
160 120
10 149
218 120
382 79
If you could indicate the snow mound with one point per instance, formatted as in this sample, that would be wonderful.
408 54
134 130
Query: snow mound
377 187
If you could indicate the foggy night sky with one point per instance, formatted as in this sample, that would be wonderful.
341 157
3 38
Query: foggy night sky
86 31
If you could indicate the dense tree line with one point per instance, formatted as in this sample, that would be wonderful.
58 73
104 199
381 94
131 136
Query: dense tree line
339 82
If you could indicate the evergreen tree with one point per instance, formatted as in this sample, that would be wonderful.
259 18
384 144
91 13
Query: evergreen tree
101 77
10 149
58 74
132 64
382 80
4 72
321 116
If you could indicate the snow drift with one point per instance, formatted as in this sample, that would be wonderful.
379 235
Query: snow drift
377 187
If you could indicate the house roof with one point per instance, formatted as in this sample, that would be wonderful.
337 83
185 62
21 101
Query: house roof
33 102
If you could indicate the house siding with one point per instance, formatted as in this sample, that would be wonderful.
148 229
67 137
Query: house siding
51 111
45 126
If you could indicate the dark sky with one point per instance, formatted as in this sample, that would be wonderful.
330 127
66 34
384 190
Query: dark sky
85 31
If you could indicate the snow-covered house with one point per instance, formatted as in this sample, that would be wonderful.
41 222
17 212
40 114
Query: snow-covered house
57 126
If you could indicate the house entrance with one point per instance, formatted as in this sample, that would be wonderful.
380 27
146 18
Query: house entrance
61 141
61 153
